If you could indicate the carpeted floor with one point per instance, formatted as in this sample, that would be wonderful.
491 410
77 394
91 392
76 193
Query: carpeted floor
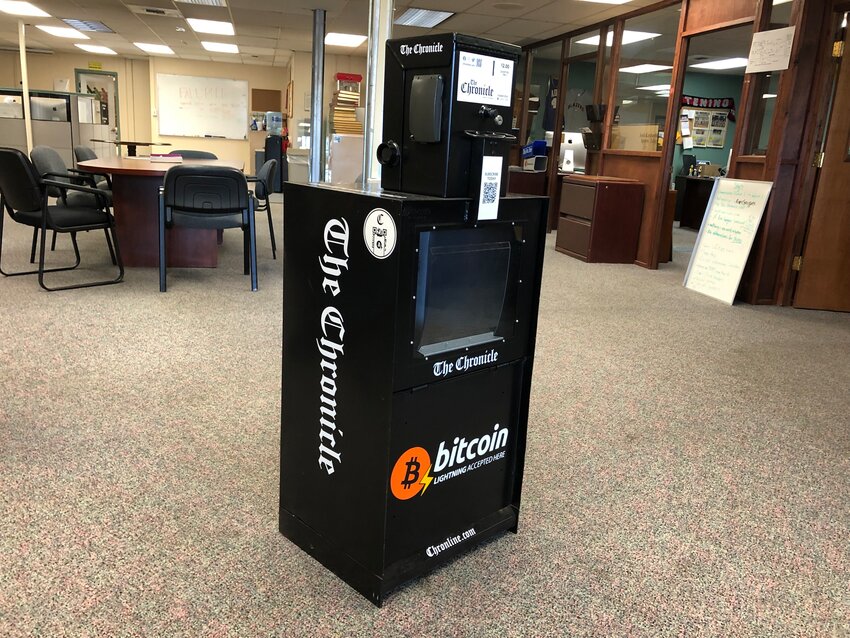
687 470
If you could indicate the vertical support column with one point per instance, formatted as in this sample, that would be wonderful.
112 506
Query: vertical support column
317 95
380 30
25 83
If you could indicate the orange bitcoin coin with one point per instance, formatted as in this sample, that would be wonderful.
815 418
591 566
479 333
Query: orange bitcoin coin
406 480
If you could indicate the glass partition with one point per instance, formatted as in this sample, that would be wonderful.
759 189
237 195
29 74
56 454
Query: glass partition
643 80
581 81
519 86
543 91
765 91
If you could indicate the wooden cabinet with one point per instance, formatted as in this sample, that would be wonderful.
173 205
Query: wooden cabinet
599 218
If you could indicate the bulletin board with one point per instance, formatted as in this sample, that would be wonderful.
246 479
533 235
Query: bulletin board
707 127
192 106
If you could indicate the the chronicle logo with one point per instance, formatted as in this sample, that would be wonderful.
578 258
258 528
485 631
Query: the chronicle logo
412 472
420 49
331 341
464 362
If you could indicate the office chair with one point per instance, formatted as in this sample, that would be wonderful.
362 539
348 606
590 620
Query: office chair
85 153
263 179
187 154
209 197
47 161
24 196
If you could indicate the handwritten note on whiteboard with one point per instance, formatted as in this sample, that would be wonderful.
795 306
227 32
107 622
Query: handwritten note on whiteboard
771 50
726 236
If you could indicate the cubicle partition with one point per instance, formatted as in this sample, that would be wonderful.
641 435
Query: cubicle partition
59 120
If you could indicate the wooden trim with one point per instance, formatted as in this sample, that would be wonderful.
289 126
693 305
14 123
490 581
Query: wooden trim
626 153
617 45
750 159
677 84
599 81
553 183
719 26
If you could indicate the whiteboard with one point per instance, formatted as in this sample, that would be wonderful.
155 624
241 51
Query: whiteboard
726 236
192 106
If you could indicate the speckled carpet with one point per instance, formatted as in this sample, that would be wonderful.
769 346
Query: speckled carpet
687 470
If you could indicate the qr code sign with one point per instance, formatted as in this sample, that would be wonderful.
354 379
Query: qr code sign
490 192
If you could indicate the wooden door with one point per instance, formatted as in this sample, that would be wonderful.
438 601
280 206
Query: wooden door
824 281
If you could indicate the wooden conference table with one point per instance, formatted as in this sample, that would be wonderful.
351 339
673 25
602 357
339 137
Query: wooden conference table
135 200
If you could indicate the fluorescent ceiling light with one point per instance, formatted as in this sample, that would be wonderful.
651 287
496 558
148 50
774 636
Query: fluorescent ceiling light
663 93
94 48
62 32
344 39
206 3
776 2
645 68
625 102
211 26
87 25
629 37
220 47
767 96
21 9
154 48
654 87
422 18
719 65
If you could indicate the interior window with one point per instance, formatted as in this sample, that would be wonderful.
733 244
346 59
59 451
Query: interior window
643 80
766 90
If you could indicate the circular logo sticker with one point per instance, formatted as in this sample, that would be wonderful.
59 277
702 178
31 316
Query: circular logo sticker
410 475
379 233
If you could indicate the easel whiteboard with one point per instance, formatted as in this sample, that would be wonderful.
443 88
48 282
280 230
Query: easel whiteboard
190 106
726 236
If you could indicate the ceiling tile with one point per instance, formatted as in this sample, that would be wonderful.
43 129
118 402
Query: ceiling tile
522 28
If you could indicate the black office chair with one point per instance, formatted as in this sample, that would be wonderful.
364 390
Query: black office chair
86 153
187 154
261 191
23 195
48 162
210 197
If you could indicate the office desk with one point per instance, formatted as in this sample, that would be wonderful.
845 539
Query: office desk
135 197
692 195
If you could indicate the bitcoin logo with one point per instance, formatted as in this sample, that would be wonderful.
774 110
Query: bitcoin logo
409 473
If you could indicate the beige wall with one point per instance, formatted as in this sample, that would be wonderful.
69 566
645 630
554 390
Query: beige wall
137 90
258 77
133 99
8 62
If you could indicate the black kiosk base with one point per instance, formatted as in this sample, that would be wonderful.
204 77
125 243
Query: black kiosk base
408 342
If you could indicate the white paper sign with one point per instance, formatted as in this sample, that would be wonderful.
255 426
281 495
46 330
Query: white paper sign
771 50
687 143
484 79
491 183
726 236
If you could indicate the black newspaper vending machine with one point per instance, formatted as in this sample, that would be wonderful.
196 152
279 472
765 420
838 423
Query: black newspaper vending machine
409 322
